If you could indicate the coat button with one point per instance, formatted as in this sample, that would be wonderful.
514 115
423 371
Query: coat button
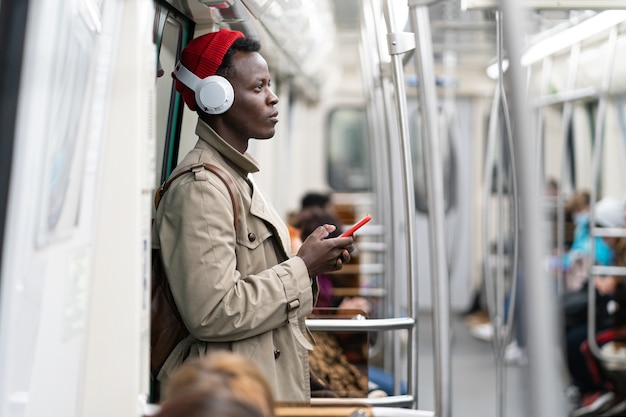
251 237
276 354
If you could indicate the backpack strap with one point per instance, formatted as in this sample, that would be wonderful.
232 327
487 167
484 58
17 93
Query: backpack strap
167 328
226 179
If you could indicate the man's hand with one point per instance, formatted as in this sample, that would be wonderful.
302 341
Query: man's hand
322 255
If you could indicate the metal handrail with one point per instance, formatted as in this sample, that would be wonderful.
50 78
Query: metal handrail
608 270
360 324
399 412
372 246
392 400
387 412
398 43
382 98
495 287
608 231
567 96
424 67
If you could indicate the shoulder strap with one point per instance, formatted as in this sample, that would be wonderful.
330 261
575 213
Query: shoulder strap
226 179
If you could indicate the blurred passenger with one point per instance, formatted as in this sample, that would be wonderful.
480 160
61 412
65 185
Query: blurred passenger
313 200
608 212
314 218
595 393
214 404
222 371
552 188
331 374
578 209
608 395
310 202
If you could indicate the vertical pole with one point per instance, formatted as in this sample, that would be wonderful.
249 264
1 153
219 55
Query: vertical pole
424 67
407 185
546 397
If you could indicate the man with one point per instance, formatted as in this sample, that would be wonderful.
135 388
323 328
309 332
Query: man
235 286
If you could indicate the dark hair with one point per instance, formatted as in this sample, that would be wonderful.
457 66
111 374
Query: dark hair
317 217
227 69
577 202
314 200
208 405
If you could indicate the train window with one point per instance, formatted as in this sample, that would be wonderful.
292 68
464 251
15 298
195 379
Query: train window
171 32
446 131
348 151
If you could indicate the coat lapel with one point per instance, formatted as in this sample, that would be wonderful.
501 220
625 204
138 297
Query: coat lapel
266 212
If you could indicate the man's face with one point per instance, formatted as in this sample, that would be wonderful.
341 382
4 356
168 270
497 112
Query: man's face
252 114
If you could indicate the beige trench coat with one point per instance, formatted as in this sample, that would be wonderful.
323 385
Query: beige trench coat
241 293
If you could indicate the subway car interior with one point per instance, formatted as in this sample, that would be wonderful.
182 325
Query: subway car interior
485 138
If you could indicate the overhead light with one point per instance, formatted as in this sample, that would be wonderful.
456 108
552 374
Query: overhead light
569 37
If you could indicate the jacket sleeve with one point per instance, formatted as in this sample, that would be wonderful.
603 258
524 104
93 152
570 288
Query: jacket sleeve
199 251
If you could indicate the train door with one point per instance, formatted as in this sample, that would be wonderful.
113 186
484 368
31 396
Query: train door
74 315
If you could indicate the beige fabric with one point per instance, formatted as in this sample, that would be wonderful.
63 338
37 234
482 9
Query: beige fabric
233 292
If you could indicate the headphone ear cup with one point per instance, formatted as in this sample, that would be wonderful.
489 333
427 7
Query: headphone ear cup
214 94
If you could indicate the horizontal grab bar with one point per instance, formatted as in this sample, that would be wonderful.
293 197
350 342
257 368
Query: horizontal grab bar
392 400
608 270
360 325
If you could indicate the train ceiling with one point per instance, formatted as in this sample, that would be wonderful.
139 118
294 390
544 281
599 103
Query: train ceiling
307 34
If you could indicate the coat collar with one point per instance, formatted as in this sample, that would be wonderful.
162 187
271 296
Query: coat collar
245 161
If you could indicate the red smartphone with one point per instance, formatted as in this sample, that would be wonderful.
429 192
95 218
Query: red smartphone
357 226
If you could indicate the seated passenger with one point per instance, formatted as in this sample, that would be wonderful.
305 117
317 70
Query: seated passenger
608 212
596 392
307 223
332 375
578 209
611 397
214 404
222 371
309 203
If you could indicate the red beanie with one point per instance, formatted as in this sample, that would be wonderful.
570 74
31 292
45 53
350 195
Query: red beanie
203 56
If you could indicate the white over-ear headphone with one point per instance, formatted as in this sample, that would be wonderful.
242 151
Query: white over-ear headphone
214 94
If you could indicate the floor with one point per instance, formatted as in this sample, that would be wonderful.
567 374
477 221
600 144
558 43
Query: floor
473 375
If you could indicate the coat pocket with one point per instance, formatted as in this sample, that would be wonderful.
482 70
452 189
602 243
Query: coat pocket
254 233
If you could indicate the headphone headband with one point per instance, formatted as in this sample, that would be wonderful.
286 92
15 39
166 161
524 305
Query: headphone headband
186 77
